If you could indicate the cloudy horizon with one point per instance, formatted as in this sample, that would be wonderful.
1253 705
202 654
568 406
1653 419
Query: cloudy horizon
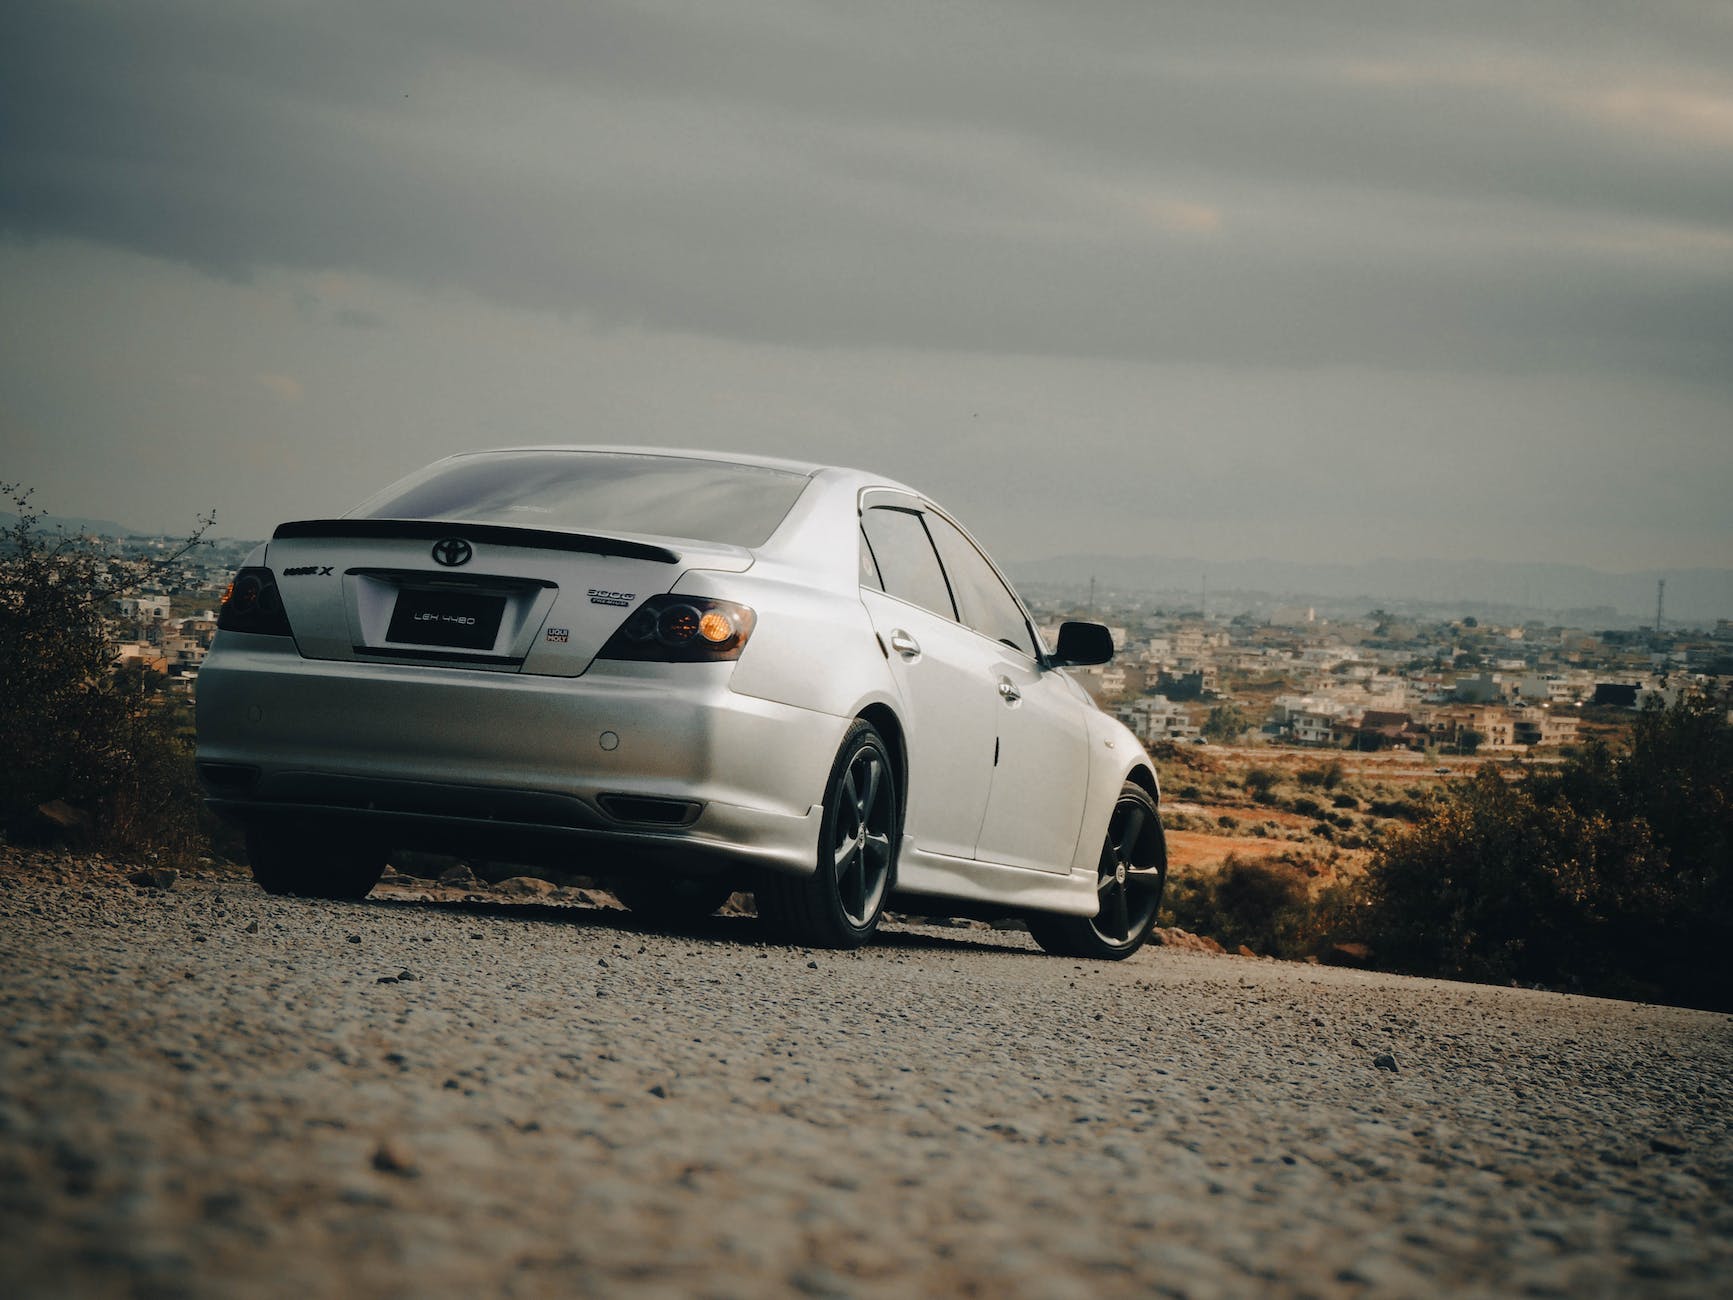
1322 282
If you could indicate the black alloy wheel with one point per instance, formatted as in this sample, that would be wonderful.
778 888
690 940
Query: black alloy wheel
1129 879
840 903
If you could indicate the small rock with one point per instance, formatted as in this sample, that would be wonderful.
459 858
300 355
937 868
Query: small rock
526 886
1667 1146
812 965
657 1090
354 938
1245 950
155 878
408 977
252 927
1174 937
386 979
388 1159
820 1283
1386 1061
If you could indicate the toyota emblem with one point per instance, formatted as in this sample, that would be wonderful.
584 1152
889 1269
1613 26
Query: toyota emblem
452 551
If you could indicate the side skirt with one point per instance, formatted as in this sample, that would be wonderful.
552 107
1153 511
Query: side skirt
925 880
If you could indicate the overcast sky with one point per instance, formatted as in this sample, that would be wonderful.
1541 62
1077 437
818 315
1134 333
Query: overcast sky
1285 278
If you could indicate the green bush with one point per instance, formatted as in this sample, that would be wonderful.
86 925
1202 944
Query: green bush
1613 874
1267 905
1225 722
1327 777
1262 781
111 743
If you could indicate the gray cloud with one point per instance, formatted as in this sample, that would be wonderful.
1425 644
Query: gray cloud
1238 277
1238 184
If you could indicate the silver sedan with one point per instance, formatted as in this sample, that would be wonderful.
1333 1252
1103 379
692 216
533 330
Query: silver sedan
684 674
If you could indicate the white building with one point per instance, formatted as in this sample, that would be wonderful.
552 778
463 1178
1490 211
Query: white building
1155 717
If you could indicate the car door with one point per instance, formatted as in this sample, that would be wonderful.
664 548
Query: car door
950 727
1041 773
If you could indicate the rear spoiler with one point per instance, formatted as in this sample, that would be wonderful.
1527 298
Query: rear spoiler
541 539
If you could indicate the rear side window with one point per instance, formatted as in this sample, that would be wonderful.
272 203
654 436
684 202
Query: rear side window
603 492
984 601
905 560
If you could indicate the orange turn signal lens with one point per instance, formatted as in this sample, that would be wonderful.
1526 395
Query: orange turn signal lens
715 627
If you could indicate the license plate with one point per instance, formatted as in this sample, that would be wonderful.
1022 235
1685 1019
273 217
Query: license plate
459 619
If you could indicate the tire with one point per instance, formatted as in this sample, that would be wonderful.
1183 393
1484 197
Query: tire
313 865
840 903
1130 877
671 900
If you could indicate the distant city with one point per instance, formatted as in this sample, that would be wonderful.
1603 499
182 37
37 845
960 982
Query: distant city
1228 665
1249 669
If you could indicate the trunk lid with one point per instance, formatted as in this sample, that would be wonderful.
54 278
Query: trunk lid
483 596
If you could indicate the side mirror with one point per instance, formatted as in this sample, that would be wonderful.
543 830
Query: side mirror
1082 644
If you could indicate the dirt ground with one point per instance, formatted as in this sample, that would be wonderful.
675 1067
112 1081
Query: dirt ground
209 1092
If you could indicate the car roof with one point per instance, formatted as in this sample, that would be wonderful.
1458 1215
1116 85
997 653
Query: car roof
810 469
807 468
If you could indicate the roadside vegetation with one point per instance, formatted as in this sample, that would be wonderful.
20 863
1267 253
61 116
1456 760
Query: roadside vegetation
1611 873
96 755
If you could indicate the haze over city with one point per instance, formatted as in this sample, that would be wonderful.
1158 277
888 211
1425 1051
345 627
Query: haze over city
1324 284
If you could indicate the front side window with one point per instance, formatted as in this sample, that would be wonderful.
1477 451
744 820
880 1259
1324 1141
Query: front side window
602 492
984 601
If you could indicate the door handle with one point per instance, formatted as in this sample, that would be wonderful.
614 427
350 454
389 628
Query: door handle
905 645
1008 689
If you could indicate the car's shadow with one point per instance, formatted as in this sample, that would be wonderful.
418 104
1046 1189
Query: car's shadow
910 935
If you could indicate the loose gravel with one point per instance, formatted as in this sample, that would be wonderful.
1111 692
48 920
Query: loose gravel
206 1091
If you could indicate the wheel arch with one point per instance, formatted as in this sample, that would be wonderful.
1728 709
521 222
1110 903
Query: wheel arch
1142 775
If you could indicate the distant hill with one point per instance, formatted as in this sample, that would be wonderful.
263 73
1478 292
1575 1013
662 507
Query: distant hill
1698 596
73 524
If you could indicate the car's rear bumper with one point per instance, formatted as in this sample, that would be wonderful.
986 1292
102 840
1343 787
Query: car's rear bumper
662 757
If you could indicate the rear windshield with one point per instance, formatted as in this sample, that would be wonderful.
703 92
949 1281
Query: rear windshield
599 492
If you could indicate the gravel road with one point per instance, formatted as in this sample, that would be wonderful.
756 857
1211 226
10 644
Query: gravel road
205 1091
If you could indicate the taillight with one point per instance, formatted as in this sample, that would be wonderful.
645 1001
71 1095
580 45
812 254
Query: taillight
253 604
682 630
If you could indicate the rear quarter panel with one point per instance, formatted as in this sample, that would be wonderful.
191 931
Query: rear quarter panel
814 646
